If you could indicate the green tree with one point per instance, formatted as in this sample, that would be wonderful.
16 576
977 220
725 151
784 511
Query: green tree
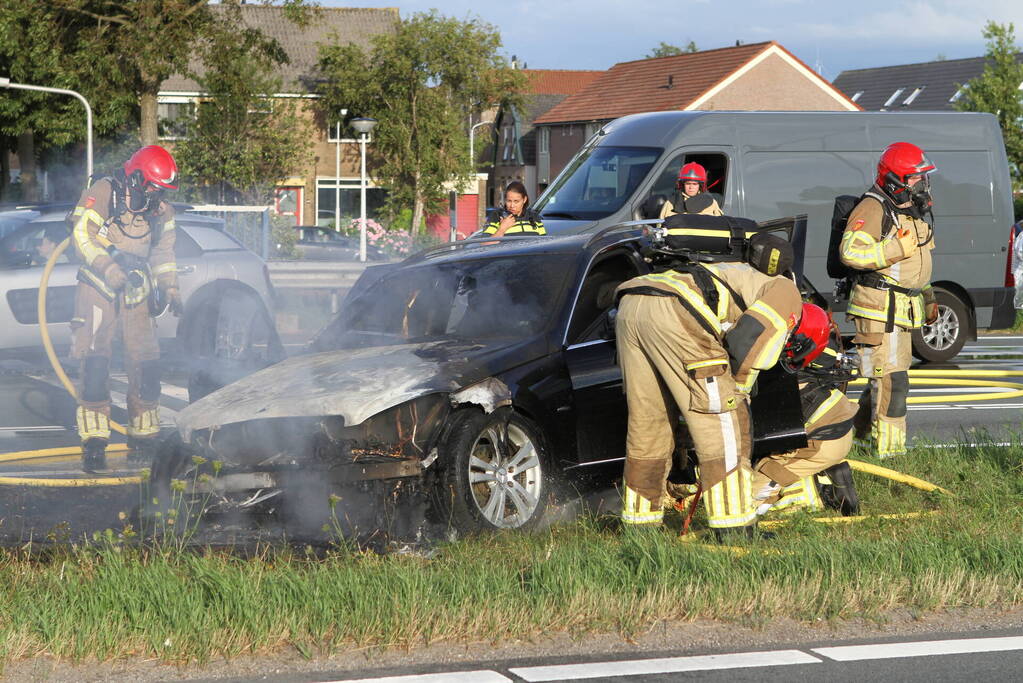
420 83
244 140
42 45
150 40
669 50
997 91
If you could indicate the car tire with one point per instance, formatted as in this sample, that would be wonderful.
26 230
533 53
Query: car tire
229 335
944 339
496 473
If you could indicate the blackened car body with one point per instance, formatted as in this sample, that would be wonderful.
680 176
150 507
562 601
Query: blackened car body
481 373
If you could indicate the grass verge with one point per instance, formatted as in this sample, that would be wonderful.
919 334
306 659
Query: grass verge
116 602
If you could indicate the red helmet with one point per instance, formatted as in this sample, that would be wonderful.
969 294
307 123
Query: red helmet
900 160
693 172
156 166
809 339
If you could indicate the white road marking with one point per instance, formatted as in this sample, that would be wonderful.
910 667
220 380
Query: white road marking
852 653
962 445
447 677
641 667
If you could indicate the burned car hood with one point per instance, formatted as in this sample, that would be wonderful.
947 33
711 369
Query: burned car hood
355 384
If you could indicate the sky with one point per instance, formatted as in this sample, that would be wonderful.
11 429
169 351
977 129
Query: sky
827 35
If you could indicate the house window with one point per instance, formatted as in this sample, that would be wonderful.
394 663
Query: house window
857 95
262 105
174 117
895 95
336 131
545 140
913 95
346 193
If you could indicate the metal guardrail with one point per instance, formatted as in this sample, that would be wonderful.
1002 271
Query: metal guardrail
315 274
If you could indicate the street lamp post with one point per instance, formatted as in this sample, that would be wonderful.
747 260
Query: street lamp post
472 130
363 126
337 171
6 83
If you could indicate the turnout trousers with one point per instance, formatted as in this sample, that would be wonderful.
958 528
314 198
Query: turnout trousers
882 410
97 320
668 364
787 480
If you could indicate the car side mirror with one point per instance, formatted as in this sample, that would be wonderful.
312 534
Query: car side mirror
609 330
652 206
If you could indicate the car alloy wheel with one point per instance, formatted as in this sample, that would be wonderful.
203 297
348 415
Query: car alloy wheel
505 475
943 332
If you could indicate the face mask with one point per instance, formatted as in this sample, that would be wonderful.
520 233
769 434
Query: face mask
920 195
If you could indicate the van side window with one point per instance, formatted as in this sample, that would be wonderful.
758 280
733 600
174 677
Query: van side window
717 174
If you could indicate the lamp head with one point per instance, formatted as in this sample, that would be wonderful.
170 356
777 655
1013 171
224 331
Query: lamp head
363 125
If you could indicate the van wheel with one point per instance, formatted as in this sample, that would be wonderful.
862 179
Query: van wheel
945 338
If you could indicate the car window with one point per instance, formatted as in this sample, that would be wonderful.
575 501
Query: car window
209 239
596 298
480 299
32 244
12 220
597 182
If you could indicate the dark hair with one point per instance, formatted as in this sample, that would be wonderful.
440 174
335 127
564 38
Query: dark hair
518 188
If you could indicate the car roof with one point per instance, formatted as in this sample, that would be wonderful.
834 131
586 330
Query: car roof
57 211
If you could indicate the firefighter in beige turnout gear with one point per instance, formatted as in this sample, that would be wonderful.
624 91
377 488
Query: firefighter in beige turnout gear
787 481
691 193
889 241
124 235
680 353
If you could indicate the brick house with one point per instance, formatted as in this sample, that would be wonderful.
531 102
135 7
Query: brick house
756 77
513 149
310 195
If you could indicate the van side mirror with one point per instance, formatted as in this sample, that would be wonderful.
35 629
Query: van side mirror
652 206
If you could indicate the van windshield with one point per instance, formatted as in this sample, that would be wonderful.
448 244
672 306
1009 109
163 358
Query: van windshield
597 182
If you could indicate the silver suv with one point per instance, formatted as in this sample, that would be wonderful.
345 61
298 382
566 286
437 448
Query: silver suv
227 324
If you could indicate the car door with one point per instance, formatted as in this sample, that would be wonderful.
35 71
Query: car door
601 417
23 264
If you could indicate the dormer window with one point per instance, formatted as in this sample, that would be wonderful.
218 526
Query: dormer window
913 95
895 95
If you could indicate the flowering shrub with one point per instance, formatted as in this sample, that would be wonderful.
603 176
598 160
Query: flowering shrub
391 242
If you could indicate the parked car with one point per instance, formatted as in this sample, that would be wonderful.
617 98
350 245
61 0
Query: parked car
319 243
228 298
766 164
479 375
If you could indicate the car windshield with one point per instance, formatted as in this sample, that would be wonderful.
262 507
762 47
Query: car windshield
597 182
481 299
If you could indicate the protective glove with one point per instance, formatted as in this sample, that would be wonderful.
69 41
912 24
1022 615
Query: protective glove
930 307
114 277
907 240
174 301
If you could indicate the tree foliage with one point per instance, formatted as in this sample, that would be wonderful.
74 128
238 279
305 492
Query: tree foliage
997 91
243 140
420 83
669 50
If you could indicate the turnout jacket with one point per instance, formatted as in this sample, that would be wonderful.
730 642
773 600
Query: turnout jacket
149 236
669 208
867 246
753 331
827 412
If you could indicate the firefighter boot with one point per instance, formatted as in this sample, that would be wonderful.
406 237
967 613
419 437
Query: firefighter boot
94 455
837 489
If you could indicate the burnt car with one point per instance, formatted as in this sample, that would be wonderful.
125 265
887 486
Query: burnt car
473 380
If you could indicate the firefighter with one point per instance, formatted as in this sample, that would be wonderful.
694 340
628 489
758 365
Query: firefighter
515 217
123 232
691 193
688 343
888 239
788 480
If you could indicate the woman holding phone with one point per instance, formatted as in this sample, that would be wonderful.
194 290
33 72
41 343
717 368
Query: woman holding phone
515 217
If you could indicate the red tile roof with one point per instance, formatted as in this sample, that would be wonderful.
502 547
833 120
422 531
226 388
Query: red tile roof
558 81
641 85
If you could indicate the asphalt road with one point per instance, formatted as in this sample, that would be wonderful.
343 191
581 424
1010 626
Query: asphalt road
39 414
995 656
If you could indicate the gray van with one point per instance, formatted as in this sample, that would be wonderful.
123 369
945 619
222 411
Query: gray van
766 165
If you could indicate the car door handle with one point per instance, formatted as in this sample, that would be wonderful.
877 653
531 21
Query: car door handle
184 270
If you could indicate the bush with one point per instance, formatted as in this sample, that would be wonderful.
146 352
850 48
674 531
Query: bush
283 237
